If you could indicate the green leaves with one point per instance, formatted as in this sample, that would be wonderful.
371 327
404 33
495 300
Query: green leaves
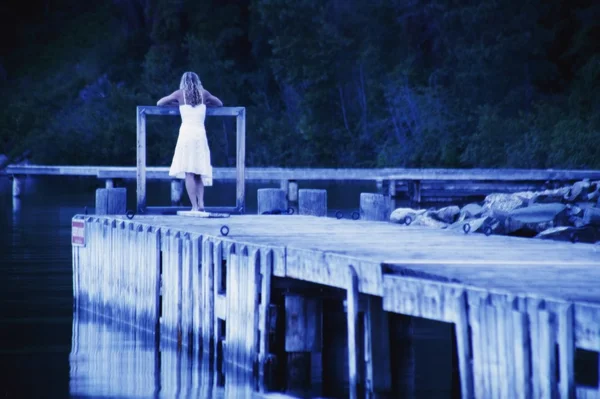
333 83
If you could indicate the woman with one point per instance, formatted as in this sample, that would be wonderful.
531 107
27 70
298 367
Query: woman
192 155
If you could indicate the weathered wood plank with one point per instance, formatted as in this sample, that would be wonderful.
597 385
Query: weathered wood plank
240 160
413 297
463 343
208 298
522 355
352 318
278 174
266 273
587 332
140 171
547 358
377 360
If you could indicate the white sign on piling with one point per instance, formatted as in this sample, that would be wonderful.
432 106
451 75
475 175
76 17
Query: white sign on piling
78 233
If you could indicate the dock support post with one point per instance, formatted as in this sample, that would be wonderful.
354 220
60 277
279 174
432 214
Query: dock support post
548 327
290 188
378 371
374 207
312 202
141 158
266 269
111 201
416 192
379 183
461 329
392 194
271 200
522 355
17 186
176 191
240 160
352 319
302 338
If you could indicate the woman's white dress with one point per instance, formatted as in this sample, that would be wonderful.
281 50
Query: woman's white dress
192 154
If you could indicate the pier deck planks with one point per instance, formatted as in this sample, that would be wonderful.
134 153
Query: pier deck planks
551 269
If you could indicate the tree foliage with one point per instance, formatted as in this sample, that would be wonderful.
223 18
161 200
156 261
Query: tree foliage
419 83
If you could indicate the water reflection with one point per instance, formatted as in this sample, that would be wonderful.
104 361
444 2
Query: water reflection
16 207
113 359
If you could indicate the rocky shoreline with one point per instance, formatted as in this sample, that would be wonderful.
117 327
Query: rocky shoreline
570 213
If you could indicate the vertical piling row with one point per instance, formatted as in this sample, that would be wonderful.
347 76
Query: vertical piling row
170 322
216 295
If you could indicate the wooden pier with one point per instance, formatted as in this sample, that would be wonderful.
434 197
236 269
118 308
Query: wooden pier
416 185
352 308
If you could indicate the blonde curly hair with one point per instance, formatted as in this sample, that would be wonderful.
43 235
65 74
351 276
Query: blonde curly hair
192 89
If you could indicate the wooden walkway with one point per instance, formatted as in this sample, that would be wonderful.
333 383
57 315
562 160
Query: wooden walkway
521 307
517 265
415 184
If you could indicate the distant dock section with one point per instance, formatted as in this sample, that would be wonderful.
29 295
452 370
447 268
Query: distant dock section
397 183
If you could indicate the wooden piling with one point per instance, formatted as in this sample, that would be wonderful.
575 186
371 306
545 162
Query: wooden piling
378 373
111 201
266 270
522 355
302 337
17 186
566 348
312 202
176 191
141 158
352 318
208 298
271 200
187 294
171 288
463 345
547 359
374 207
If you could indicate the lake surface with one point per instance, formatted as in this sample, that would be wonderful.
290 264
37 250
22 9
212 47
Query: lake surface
47 349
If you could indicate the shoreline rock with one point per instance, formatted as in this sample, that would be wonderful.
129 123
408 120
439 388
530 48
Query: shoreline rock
570 213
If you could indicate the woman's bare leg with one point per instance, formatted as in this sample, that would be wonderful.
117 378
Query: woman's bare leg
199 192
190 186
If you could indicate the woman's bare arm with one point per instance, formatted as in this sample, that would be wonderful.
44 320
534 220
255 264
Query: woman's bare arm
210 100
172 99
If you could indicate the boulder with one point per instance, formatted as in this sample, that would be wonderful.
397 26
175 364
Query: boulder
578 191
561 233
470 211
501 204
535 218
425 220
549 196
591 216
592 195
448 214
399 215
569 233
484 224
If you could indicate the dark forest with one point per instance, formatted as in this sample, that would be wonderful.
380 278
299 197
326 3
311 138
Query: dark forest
330 83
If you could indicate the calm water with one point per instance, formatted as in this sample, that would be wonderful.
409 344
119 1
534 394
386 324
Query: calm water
47 350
